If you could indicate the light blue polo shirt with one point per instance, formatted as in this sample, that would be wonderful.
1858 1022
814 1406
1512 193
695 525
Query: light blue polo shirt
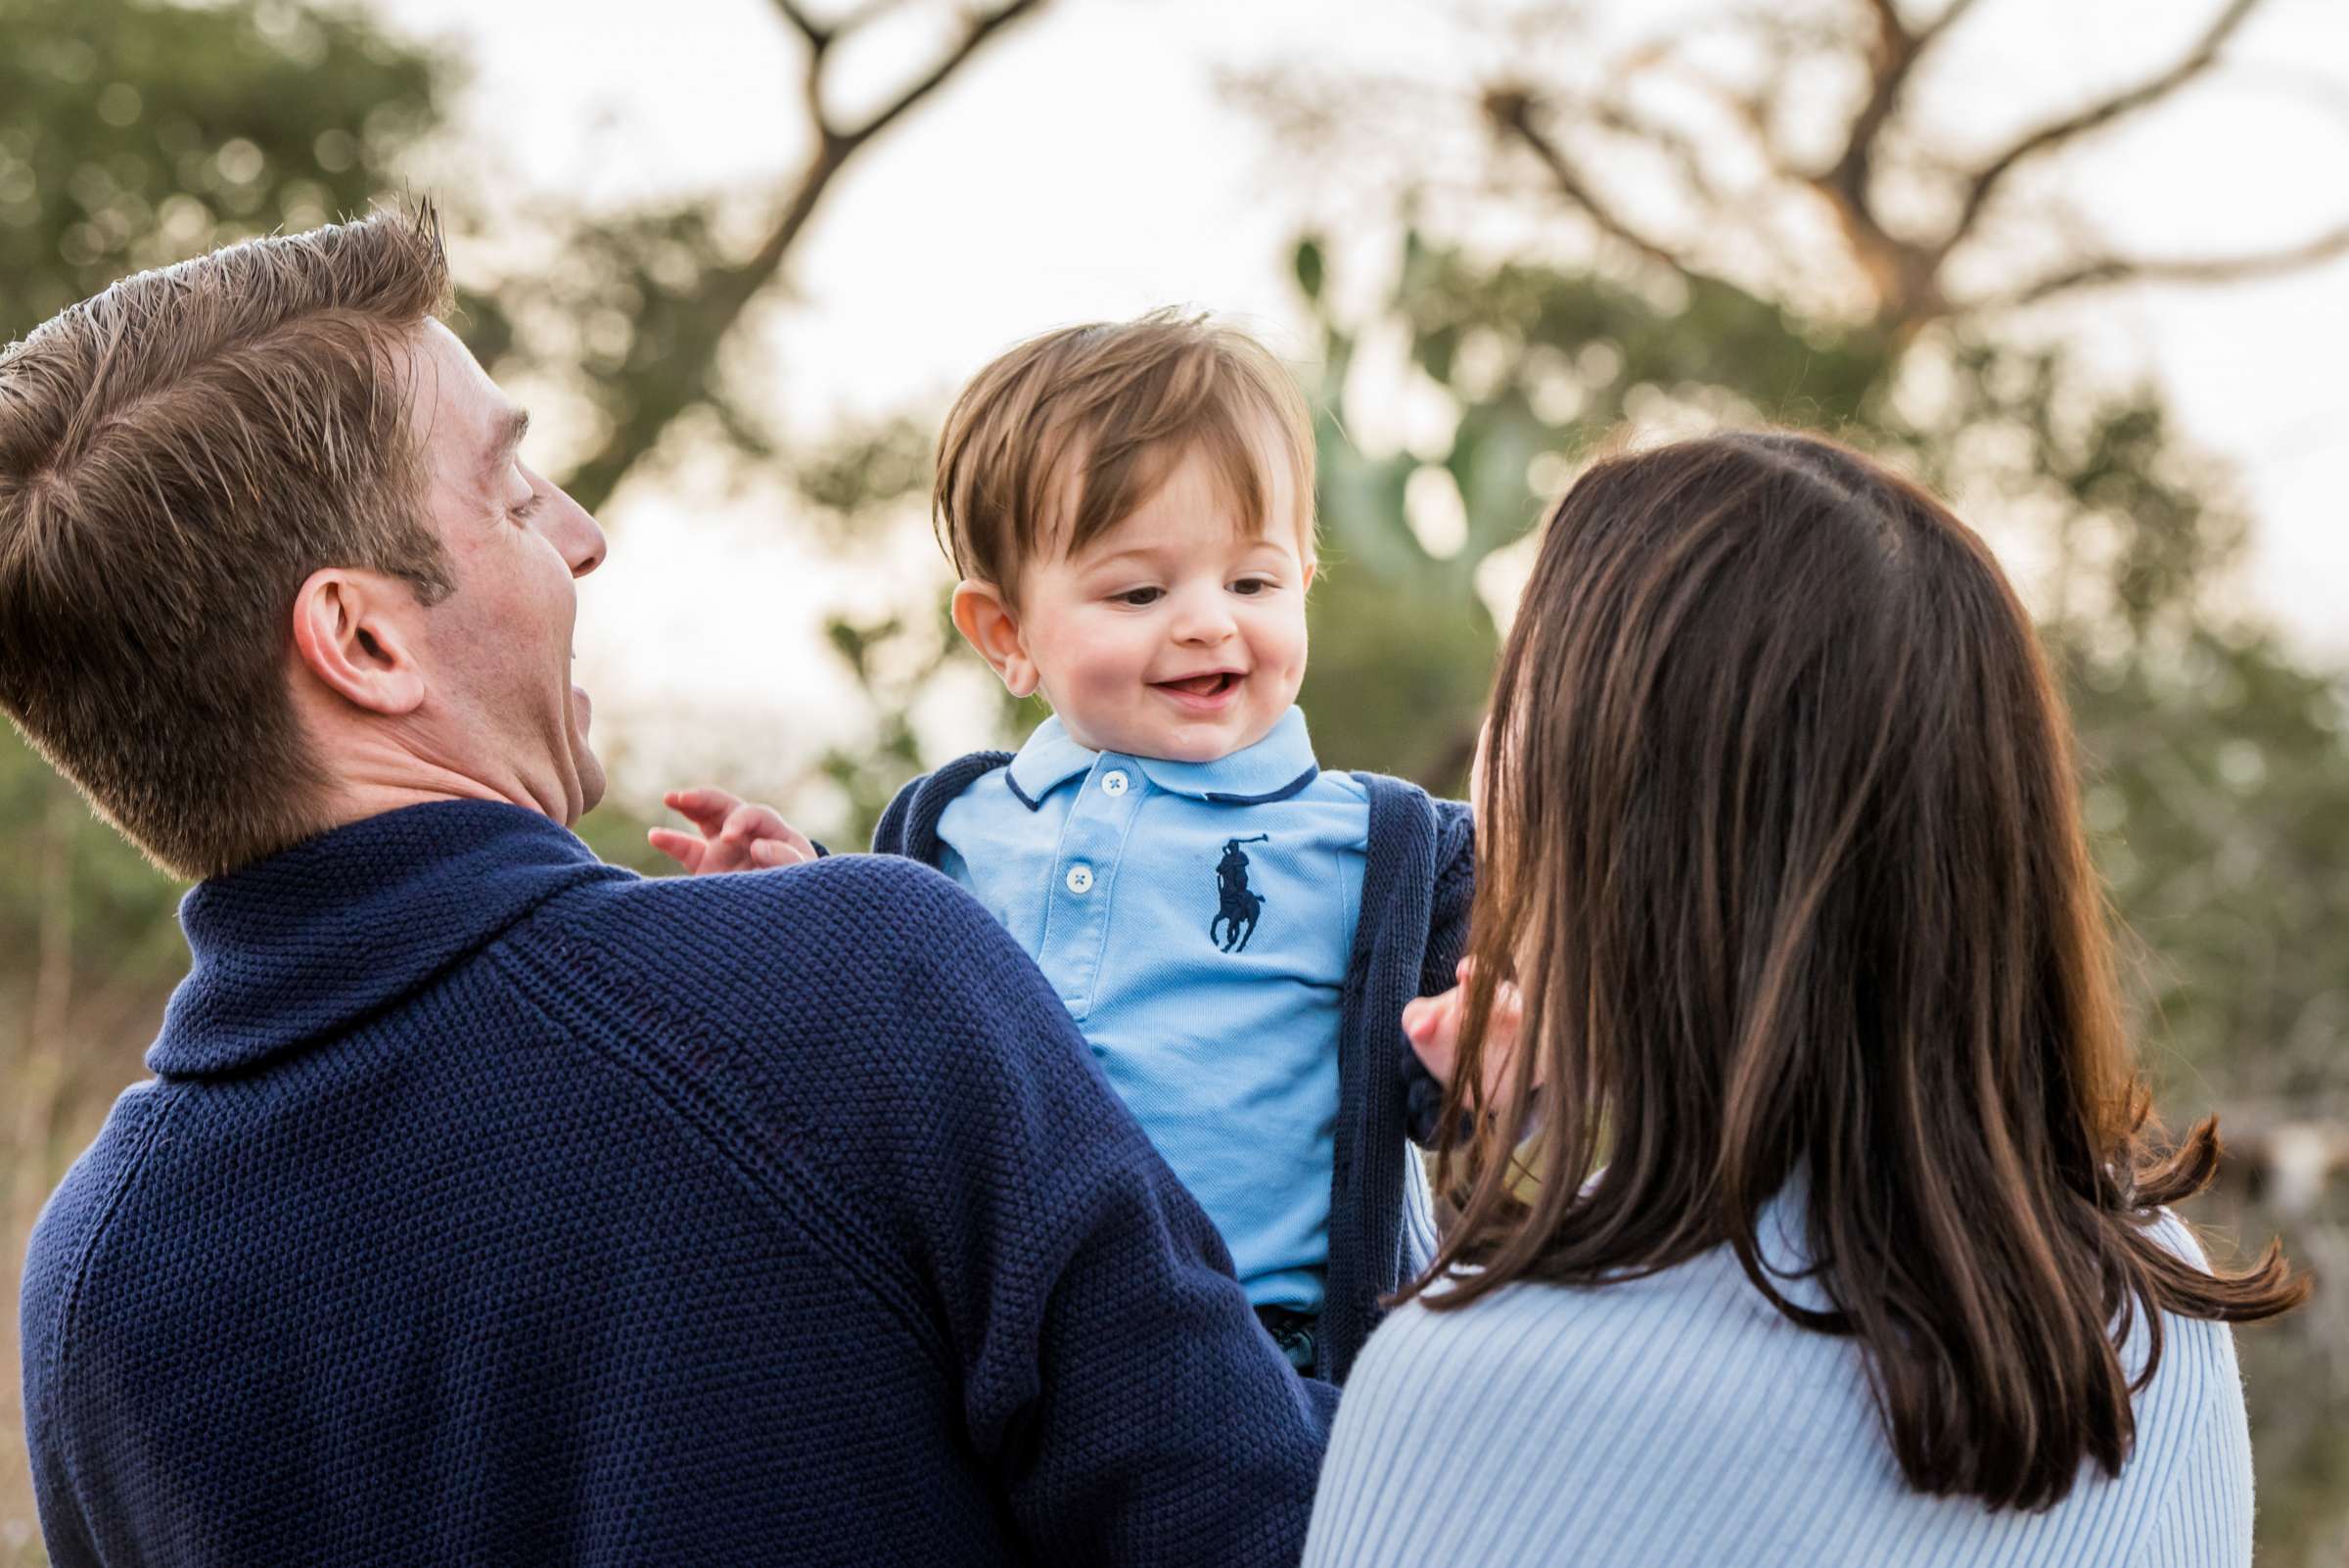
1196 919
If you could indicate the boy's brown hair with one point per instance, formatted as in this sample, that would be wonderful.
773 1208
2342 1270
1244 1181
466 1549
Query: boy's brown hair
176 456
1067 433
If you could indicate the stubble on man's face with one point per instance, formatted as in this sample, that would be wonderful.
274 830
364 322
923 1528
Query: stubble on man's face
500 646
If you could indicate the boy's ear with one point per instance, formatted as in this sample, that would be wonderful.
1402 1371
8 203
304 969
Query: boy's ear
984 617
354 632
1311 567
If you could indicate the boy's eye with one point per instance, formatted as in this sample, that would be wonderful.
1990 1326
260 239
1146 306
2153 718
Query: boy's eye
1253 586
1139 597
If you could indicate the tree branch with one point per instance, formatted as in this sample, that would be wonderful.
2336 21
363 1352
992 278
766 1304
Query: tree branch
725 294
1943 23
818 37
2108 271
1510 110
979 29
2206 52
1749 110
1687 153
1902 274
869 11
1889 26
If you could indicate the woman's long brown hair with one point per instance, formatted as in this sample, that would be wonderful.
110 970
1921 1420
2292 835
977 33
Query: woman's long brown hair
1780 844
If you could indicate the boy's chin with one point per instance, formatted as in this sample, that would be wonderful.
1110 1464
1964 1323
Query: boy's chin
1193 749
1172 737
1204 742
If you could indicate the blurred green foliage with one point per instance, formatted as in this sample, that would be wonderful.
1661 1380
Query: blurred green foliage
1536 368
2218 766
134 133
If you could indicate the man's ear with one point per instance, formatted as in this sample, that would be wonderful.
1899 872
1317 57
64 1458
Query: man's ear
354 632
984 617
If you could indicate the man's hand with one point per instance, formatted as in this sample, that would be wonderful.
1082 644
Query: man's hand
735 835
1432 1024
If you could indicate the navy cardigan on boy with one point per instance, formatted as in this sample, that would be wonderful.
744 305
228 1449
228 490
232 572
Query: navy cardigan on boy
494 1205
1417 887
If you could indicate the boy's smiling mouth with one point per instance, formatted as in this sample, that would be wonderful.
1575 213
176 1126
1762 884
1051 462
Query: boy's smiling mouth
1208 691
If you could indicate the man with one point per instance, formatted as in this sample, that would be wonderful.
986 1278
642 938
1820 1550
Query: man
490 1204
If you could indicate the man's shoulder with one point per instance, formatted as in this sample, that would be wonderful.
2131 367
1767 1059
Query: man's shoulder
76 1211
872 905
851 992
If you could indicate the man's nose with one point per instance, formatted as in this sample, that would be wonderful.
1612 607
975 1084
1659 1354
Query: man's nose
577 536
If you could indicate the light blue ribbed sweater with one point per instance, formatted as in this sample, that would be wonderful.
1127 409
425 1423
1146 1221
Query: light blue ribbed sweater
1682 1419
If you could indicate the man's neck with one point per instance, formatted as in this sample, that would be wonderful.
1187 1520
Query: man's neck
367 776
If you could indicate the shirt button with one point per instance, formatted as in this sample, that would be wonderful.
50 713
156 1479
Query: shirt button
1081 879
1113 783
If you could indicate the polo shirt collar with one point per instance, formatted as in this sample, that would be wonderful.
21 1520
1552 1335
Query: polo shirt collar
1273 768
1049 759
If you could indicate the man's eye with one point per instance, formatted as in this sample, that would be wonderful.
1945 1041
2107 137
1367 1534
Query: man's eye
1140 598
529 508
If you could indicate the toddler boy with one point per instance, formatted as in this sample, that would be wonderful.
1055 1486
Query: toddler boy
1235 930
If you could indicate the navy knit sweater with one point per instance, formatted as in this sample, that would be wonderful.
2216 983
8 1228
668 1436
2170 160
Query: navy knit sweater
1419 888
491 1205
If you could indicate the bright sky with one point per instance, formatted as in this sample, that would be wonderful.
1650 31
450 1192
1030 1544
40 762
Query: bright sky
1088 166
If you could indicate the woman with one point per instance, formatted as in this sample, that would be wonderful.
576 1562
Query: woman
1847 1243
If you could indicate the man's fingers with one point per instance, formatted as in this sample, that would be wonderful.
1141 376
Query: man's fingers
686 848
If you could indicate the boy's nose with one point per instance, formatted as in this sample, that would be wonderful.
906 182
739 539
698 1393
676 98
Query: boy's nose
1203 621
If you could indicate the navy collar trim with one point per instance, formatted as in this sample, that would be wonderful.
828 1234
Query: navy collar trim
1295 786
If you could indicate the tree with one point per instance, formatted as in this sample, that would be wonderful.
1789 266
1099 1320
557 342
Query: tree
673 290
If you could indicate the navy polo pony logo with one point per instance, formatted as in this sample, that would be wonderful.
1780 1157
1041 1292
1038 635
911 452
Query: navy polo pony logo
1238 905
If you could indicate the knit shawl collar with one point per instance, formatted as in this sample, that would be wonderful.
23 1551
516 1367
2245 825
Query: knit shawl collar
302 947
